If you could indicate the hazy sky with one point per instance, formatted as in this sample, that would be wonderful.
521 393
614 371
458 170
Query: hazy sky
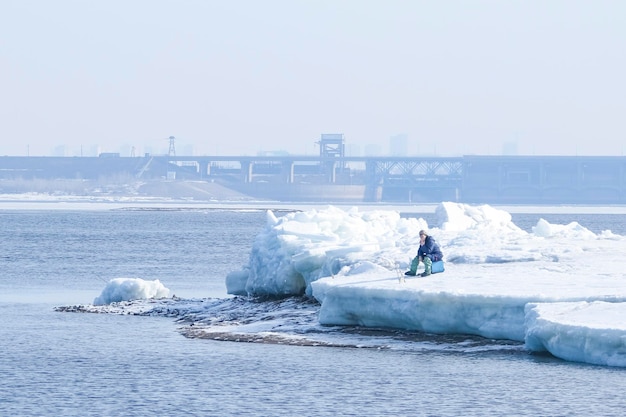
243 76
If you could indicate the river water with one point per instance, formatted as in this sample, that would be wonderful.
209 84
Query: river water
70 364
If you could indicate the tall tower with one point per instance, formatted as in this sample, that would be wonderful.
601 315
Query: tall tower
399 145
172 150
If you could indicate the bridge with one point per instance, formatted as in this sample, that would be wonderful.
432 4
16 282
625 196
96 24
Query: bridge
397 177
335 177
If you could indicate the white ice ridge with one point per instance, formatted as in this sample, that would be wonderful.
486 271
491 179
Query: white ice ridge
498 283
126 289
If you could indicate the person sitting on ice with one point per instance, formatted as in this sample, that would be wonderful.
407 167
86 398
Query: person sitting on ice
427 253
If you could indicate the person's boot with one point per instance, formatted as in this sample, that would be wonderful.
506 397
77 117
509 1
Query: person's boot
412 270
428 264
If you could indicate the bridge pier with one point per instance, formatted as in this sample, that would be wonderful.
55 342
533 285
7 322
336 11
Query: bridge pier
330 169
246 170
288 171
205 169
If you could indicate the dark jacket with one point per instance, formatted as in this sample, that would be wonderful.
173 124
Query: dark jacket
430 249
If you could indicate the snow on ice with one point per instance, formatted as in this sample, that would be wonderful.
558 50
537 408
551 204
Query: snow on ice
500 281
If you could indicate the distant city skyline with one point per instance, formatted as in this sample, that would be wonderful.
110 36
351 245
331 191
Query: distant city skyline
480 77
393 148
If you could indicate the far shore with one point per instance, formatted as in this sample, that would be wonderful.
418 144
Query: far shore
42 201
